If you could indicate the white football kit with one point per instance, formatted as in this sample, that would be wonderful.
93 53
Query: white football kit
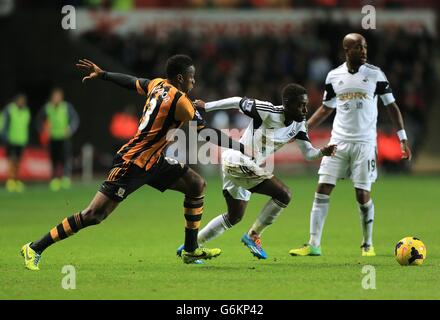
354 95
266 133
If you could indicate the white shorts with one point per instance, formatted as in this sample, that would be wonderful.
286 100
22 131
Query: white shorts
357 161
239 178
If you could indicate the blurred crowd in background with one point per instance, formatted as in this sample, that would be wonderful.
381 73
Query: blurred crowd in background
132 4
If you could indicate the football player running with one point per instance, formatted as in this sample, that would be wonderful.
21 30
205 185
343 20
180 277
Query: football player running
271 128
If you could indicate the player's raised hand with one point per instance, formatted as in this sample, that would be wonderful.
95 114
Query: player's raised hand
89 67
406 151
329 150
199 104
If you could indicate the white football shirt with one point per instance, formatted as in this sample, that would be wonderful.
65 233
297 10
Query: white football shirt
354 95
267 132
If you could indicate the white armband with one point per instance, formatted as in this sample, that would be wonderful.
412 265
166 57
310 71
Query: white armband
402 135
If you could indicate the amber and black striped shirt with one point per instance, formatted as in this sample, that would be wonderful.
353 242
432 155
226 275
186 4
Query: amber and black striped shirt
166 108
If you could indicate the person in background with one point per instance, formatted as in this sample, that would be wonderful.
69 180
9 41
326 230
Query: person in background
62 122
15 133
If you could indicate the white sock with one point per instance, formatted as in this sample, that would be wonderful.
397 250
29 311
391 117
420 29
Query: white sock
214 228
267 216
317 218
366 212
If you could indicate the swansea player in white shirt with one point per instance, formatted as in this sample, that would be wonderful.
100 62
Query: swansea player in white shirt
352 89
271 128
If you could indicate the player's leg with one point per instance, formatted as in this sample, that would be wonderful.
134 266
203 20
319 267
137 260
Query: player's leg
123 179
318 214
192 185
19 185
320 207
236 198
330 170
11 183
364 173
280 197
366 211
55 151
99 208
67 164
225 221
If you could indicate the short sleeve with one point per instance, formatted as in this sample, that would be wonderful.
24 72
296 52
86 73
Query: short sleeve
185 112
329 99
383 89
302 132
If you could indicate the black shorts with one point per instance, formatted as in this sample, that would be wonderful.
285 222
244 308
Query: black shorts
60 151
125 178
13 151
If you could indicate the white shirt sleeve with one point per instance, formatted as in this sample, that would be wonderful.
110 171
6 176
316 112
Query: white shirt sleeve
329 99
308 151
228 103
383 89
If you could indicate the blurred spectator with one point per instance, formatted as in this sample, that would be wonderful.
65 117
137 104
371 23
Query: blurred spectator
61 121
15 132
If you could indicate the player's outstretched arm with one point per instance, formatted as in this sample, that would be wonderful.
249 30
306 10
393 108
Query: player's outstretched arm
123 80
319 116
310 153
397 119
223 104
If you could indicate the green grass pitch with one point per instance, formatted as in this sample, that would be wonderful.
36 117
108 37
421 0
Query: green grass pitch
131 255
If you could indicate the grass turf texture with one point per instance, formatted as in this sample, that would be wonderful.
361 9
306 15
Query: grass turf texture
131 255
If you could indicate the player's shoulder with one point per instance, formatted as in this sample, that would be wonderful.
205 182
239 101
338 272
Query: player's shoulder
372 66
300 126
339 70
268 107
372 69
154 83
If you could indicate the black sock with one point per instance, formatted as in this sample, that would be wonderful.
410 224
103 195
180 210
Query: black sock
66 228
191 239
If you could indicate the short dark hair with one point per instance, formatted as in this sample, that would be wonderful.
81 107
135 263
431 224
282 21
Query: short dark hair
292 91
178 64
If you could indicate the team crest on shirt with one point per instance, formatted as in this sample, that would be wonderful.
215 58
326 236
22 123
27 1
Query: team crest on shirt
120 193
340 83
247 105
292 133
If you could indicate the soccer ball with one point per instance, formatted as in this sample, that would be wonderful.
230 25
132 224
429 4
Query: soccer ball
410 251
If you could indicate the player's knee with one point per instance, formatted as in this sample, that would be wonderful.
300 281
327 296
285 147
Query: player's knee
197 186
234 218
362 196
325 188
284 196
